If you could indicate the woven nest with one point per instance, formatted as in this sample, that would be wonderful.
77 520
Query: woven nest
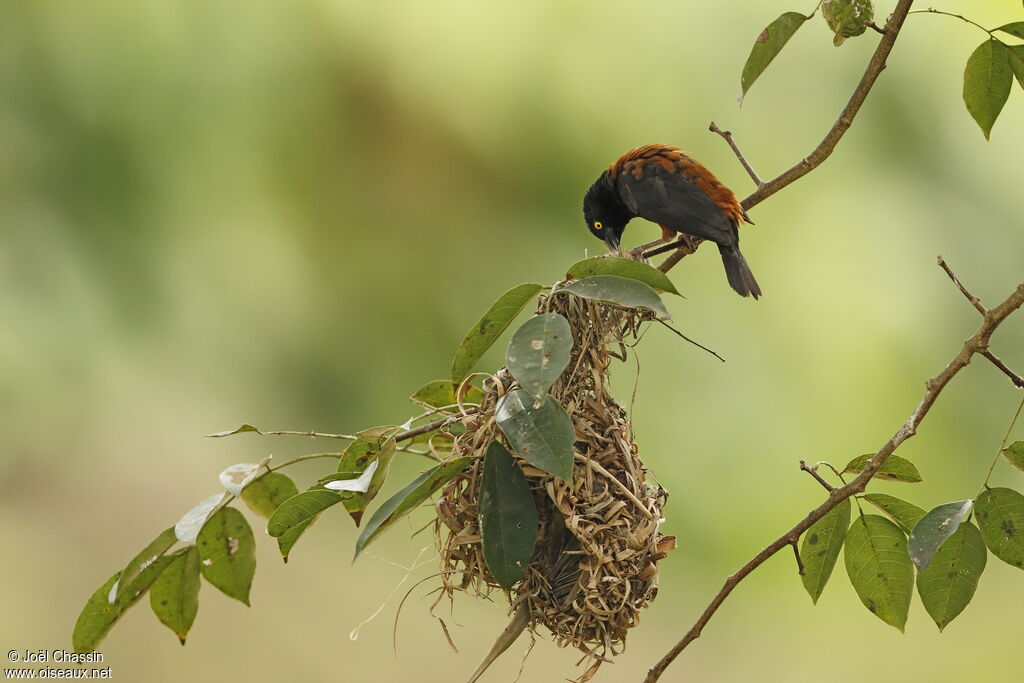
595 563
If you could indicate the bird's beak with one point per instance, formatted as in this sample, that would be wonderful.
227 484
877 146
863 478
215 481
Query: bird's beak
612 242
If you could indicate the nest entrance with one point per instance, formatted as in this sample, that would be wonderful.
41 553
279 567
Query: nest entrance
595 563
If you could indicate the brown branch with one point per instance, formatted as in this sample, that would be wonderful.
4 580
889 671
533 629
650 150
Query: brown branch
839 128
813 471
963 290
976 344
1014 377
736 150
799 562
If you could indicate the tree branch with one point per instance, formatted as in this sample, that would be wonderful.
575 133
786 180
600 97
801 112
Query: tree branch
834 135
739 155
963 290
976 344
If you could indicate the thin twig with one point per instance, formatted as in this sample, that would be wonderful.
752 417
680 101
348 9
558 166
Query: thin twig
934 386
834 135
736 150
1014 377
799 562
697 344
875 27
950 14
963 290
813 471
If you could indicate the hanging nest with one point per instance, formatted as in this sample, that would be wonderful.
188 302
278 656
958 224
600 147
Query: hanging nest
595 563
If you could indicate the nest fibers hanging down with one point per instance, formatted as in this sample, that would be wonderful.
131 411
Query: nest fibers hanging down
595 563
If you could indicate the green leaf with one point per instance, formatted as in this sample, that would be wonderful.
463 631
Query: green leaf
357 457
623 267
620 291
482 335
906 515
300 508
1014 454
987 81
894 468
1017 63
441 392
541 435
1000 514
539 352
947 584
768 45
227 550
287 540
933 529
508 516
1015 29
820 548
231 432
406 500
266 493
160 545
175 594
879 568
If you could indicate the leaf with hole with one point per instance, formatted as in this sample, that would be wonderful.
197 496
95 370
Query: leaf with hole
227 553
820 548
487 330
541 435
879 568
947 584
538 353
265 494
508 516
356 461
620 291
1000 514
1014 454
440 393
894 468
768 45
906 515
987 80
933 529
146 557
623 267
174 596
406 500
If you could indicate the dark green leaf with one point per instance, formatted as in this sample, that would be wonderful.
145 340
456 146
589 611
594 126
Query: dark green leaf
300 508
1017 63
441 392
933 529
160 545
1000 514
358 456
894 468
617 290
403 502
623 267
768 45
240 430
905 514
227 550
879 568
175 594
266 493
508 516
542 436
287 540
539 352
1014 454
947 585
820 548
1014 29
482 335
847 18
987 81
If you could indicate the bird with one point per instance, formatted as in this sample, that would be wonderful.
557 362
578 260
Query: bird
665 185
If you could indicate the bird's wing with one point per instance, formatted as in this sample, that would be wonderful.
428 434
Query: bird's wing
671 200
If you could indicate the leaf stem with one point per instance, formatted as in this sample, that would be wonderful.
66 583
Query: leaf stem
999 452
961 17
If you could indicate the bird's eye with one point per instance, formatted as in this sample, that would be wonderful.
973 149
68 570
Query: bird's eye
598 226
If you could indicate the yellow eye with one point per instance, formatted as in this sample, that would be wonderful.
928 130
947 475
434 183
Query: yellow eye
598 226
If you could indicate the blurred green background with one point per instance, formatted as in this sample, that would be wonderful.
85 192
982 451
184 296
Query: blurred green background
289 213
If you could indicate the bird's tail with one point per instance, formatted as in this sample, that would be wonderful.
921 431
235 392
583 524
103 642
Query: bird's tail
738 272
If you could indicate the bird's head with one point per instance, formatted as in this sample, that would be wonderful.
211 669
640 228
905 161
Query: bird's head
604 212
